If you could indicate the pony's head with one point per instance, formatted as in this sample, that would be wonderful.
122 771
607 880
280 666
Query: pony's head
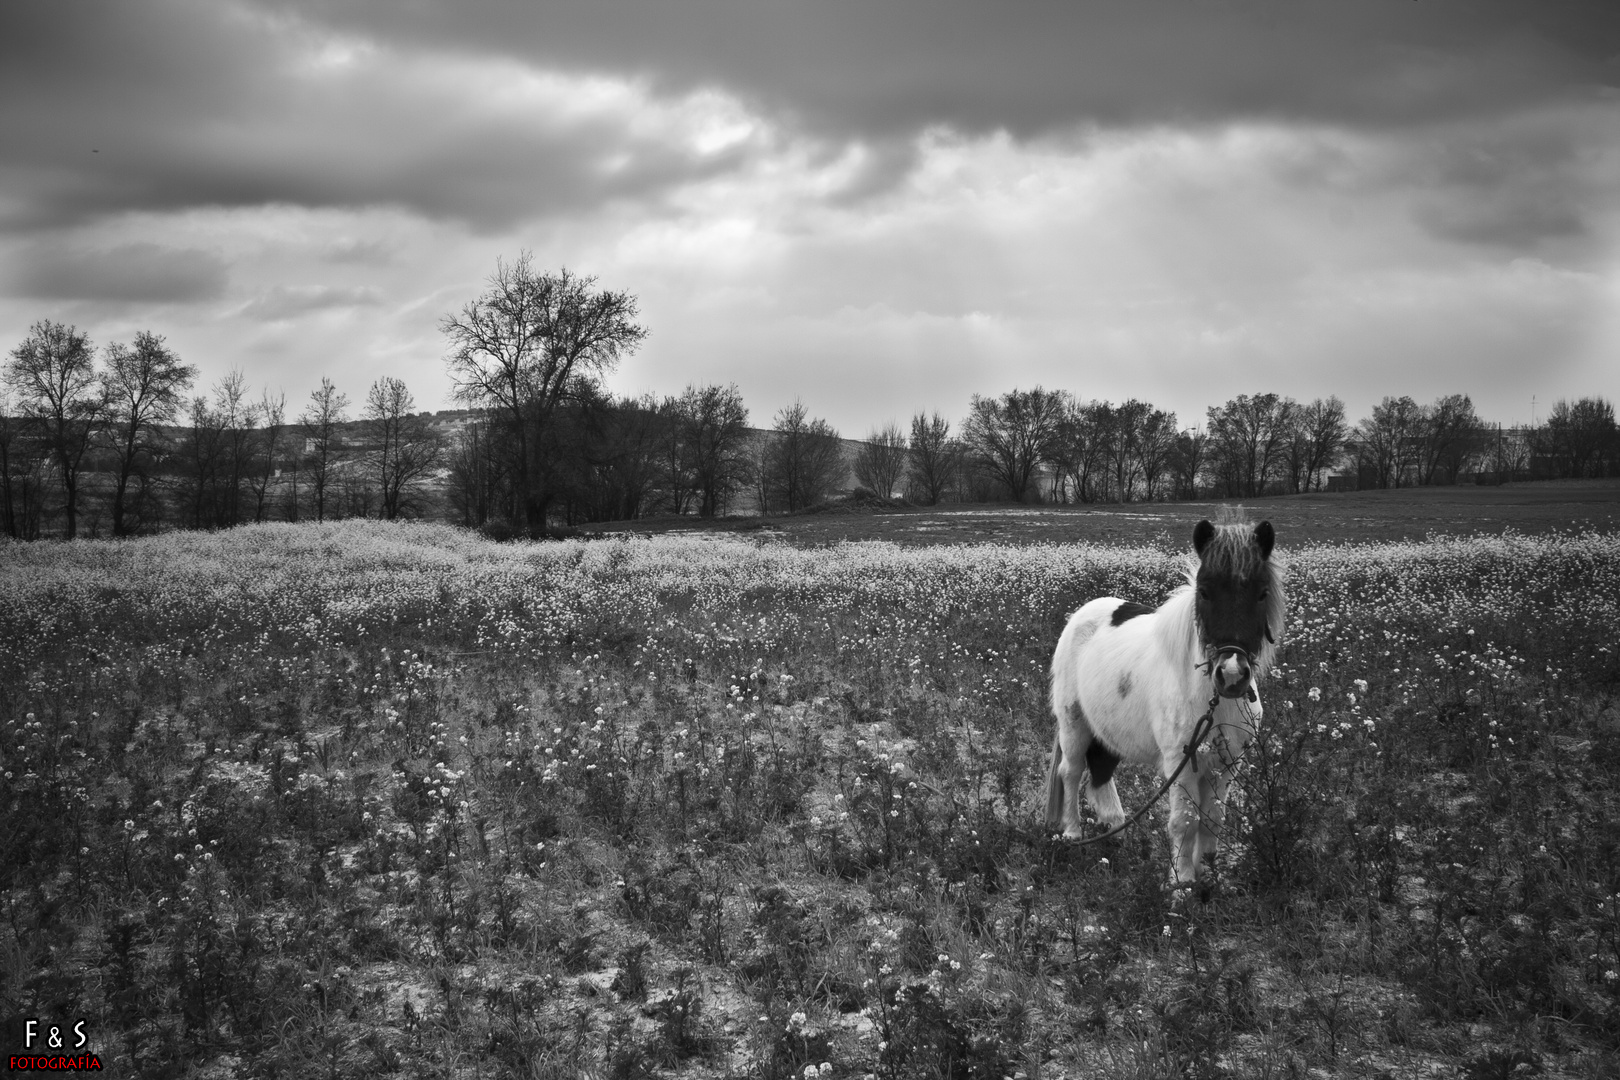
1239 601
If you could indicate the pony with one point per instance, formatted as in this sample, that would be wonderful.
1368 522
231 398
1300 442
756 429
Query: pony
1130 683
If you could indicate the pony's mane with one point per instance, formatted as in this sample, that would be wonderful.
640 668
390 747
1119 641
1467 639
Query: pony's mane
1177 624
1233 550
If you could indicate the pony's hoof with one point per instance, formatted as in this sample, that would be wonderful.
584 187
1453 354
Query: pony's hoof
1181 884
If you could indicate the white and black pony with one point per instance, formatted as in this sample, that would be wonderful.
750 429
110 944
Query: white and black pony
1129 683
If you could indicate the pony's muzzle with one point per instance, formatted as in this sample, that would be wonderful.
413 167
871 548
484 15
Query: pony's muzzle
1233 676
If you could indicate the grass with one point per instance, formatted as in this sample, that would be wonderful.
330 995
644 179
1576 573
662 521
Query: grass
398 801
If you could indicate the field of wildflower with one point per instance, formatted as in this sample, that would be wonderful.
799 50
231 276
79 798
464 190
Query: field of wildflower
368 799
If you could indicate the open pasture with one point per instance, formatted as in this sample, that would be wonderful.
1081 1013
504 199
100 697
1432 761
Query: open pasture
1336 518
360 799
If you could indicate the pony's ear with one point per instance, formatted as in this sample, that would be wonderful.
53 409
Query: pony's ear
1265 536
1203 533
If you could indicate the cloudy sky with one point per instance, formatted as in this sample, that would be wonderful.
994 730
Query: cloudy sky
877 207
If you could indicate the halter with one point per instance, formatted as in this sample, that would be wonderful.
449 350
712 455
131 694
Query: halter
1218 653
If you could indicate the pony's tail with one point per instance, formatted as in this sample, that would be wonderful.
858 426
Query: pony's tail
1054 788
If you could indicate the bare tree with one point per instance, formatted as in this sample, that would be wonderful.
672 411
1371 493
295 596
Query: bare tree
1321 425
271 432
1296 454
803 460
477 477
1155 446
1101 428
22 472
1117 435
759 470
608 456
934 458
216 451
712 456
326 410
355 494
629 462
1580 436
1247 436
1010 437
237 419
1390 439
881 460
1127 422
198 459
675 463
1080 451
1450 437
53 373
144 384
407 450
1188 462
1508 451
1065 453
521 348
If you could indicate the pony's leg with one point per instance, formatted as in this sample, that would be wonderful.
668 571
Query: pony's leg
1211 812
1184 826
1100 789
1073 740
1233 741
1054 786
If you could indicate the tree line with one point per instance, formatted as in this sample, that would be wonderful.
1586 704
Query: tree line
1051 446
117 432
531 351
542 443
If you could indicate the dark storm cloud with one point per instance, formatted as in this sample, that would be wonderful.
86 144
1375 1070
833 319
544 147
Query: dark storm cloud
887 68
140 272
1512 220
171 104
1536 181
168 106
